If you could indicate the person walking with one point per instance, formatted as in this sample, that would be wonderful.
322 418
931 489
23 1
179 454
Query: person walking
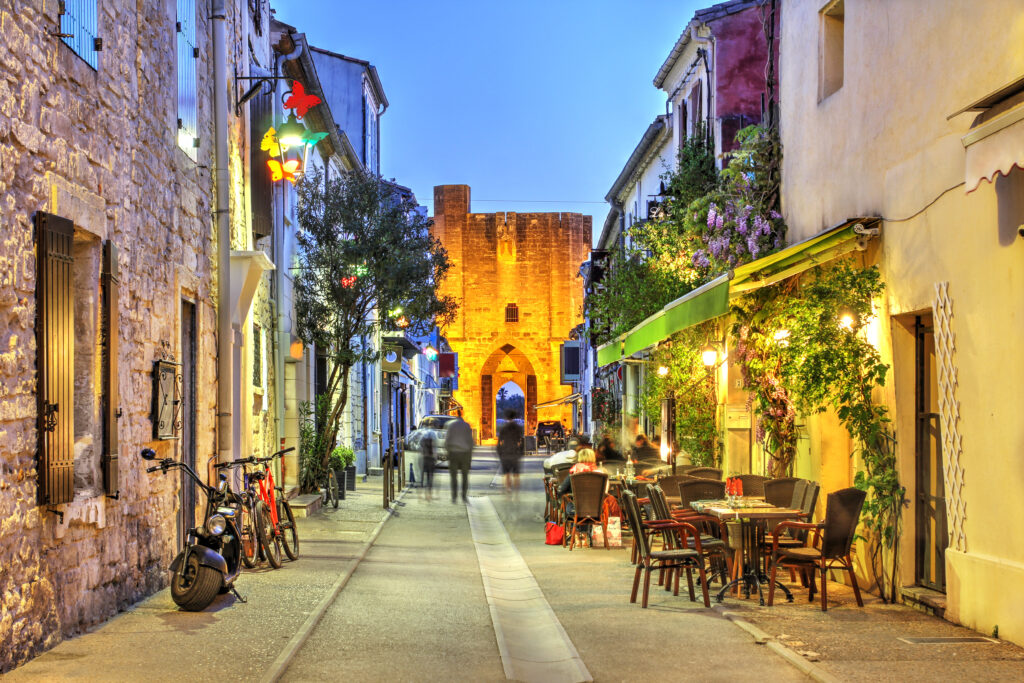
427 468
510 451
459 443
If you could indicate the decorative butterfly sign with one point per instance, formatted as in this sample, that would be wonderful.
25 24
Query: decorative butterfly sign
298 100
286 171
311 138
270 143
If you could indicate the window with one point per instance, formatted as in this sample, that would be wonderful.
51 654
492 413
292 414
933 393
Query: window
830 50
188 53
370 153
511 313
257 356
78 29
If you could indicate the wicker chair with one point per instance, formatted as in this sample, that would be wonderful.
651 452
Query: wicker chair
779 492
706 473
670 484
669 560
711 529
701 489
588 492
753 484
553 509
842 513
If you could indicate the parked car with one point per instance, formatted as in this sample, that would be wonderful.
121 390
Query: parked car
436 426
547 428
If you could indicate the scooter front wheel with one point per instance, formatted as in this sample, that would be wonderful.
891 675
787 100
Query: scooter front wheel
194 586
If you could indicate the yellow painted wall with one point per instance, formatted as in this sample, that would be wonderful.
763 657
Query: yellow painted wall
882 145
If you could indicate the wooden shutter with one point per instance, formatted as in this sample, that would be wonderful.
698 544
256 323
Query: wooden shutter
261 118
111 398
188 54
55 343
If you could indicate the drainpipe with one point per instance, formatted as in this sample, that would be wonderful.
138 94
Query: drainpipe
225 335
283 336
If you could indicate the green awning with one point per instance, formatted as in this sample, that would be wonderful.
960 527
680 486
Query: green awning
704 303
712 299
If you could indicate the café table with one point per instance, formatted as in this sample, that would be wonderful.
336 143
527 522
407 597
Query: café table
753 516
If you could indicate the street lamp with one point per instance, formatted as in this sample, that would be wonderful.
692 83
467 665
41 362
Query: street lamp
709 356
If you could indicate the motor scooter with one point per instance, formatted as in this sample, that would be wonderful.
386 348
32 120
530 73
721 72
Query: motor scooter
211 558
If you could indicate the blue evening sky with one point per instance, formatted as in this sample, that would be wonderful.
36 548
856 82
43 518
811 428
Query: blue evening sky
535 104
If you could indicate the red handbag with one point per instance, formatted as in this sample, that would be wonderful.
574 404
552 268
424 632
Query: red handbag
553 534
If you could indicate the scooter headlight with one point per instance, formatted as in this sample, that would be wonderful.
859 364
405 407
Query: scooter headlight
215 525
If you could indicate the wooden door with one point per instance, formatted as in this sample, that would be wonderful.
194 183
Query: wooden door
931 535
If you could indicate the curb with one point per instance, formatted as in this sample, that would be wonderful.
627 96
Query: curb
280 665
810 669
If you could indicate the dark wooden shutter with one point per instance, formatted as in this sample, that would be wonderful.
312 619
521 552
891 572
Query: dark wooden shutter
531 404
111 397
261 117
55 342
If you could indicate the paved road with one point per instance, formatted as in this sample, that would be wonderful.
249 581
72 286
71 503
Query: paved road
415 609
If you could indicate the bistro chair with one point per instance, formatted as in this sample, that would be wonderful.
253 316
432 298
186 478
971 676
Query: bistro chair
706 473
830 546
700 489
668 560
753 484
779 492
588 492
711 530
552 510
670 484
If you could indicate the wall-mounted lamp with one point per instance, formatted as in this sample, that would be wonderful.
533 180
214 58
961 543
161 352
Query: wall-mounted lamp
709 356
292 132
662 371
430 352
781 337
847 319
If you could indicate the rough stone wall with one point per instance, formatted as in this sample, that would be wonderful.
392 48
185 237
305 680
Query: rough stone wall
98 147
530 259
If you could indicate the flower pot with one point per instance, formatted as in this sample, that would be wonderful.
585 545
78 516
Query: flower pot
340 477
350 472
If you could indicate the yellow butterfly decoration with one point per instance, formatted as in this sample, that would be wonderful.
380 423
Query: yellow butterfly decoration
287 171
270 143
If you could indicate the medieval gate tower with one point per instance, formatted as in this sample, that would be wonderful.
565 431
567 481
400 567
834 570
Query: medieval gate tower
515 278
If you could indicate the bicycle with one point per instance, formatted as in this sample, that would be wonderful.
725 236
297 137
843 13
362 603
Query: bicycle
330 494
273 514
249 526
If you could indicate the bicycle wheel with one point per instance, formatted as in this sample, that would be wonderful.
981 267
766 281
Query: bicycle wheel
250 539
269 541
286 525
332 489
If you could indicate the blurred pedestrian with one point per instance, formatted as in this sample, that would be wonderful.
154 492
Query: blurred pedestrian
459 443
510 451
429 463
606 450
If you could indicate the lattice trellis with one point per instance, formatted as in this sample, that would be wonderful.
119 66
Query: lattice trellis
949 414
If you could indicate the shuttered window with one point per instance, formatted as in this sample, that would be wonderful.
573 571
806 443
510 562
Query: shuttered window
511 313
78 29
111 396
55 343
188 53
261 118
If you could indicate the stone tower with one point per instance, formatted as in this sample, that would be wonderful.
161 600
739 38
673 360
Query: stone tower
515 278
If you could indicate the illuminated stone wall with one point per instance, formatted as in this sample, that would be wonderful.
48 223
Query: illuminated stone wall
531 260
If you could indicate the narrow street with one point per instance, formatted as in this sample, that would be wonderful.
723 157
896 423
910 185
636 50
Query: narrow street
414 609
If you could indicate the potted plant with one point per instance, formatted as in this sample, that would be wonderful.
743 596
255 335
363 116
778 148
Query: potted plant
350 467
338 462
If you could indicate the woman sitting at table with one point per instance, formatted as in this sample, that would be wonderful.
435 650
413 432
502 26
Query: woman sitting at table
586 461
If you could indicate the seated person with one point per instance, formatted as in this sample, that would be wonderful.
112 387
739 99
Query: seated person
646 457
586 461
606 450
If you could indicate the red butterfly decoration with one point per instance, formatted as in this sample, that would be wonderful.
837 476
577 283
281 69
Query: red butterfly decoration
298 100
287 171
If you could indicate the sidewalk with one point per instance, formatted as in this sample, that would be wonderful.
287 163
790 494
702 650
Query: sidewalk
850 643
237 641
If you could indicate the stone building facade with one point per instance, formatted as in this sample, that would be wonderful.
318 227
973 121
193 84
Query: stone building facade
515 277
93 146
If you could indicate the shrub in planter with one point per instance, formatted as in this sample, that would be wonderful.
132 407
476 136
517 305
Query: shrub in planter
342 462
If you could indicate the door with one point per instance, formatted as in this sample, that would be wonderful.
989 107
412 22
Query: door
188 414
486 407
931 536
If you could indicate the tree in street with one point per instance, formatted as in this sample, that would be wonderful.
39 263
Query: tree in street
366 262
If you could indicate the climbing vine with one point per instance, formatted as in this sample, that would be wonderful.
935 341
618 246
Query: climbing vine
693 387
809 342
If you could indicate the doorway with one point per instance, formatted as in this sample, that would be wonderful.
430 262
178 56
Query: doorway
187 518
931 536
510 398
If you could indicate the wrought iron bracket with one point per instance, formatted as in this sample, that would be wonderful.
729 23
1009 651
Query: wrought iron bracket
253 89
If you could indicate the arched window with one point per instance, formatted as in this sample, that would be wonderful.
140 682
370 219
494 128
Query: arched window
511 313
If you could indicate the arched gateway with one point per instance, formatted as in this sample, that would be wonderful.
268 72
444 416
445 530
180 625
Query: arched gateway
515 277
